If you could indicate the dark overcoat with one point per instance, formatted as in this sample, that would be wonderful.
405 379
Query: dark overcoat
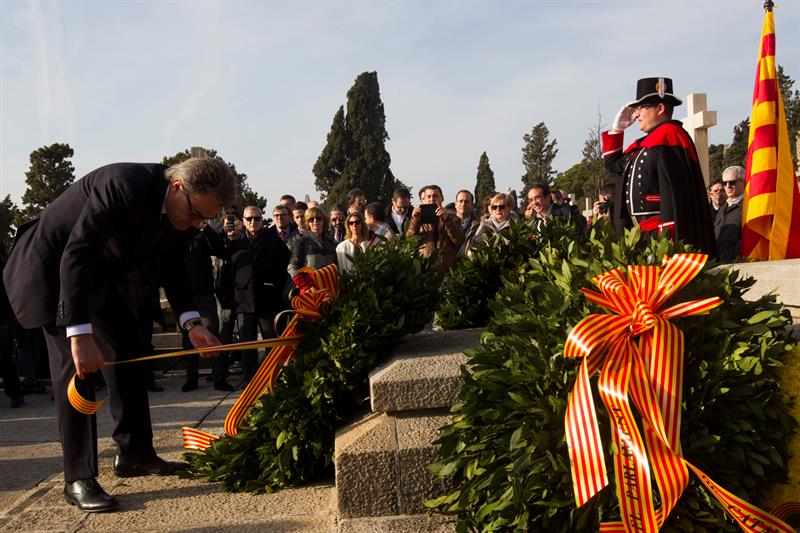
660 185
104 226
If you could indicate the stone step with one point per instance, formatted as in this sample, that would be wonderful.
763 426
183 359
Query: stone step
424 372
167 341
397 524
780 277
382 464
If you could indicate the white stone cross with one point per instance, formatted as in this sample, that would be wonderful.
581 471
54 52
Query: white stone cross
697 124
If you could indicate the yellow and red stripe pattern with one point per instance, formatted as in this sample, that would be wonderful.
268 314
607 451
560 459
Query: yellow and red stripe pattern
88 407
771 209
323 286
640 354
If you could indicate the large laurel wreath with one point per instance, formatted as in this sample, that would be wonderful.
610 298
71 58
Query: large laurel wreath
505 451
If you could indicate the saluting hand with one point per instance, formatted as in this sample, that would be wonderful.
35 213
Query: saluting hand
200 337
86 355
623 119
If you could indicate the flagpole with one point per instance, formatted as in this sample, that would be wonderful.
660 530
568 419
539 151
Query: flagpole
768 5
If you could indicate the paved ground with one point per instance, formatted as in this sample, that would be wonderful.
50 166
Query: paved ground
31 479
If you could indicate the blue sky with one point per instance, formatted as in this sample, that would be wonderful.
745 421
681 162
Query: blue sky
261 81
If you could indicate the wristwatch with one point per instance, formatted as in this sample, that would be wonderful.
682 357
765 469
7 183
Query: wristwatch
192 322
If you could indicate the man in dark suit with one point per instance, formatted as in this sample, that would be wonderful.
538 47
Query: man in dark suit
68 273
399 218
259 260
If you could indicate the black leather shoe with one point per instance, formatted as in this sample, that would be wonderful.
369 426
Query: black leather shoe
88 496
223 386
149 467
190 385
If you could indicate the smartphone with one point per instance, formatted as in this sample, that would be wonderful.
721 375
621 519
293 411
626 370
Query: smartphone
428 215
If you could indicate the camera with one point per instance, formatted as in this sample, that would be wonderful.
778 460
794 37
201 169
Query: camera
602 208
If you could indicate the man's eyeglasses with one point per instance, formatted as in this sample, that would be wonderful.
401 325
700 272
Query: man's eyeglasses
643 106
498 207
194 214
250 219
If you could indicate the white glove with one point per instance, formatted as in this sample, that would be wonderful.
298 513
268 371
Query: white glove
623 119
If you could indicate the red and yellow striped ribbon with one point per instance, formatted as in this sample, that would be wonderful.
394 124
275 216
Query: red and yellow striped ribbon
650 372
88 407
324 286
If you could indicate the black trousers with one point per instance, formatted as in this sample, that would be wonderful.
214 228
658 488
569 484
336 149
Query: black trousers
207 307
8 369
117 336
249 324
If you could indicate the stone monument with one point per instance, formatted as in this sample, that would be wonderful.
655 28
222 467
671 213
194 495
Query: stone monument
697 124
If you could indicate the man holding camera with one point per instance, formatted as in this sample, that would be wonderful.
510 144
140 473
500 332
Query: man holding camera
440 230
660 185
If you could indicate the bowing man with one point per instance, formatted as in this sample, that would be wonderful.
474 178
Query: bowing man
67 273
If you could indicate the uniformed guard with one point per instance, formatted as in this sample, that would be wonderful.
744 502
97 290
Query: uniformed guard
659 184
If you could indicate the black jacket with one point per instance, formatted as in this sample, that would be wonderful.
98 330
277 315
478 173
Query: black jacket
259 271
728 229
104 226
659 177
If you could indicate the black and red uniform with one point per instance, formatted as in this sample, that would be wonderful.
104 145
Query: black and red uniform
660 185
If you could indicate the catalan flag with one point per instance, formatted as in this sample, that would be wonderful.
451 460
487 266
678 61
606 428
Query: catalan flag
771 214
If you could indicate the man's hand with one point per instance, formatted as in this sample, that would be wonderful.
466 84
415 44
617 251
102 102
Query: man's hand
85 355
200 337
416 214
623 119
596 211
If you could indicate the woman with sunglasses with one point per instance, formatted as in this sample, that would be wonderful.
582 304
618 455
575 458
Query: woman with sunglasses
313 247
500 209
356 237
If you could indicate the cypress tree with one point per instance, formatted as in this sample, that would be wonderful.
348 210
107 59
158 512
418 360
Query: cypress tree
736 153
484 182
367 162
8 217
331 162
50 174
537 157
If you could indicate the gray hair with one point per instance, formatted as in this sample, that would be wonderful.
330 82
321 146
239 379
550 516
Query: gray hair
252 208
737 171
203 175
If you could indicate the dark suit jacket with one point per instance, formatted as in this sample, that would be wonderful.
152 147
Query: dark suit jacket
259 271
393 225
106 225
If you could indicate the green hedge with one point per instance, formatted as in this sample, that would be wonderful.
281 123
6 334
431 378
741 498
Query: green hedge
288 437
505 450
473 284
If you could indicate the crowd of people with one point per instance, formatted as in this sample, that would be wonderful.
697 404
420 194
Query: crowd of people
88 271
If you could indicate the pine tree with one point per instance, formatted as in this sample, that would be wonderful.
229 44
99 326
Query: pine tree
248 195
9 214
716 161
331 163
484 182
50 174
736 152
537 157
367 162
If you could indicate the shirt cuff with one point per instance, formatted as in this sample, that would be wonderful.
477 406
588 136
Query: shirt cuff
79 329
188 315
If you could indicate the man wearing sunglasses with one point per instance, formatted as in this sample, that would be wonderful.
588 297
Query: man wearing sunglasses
659 185
728 222
68 273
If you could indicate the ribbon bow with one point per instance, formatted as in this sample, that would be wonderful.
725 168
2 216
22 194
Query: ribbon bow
320 288
640 352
